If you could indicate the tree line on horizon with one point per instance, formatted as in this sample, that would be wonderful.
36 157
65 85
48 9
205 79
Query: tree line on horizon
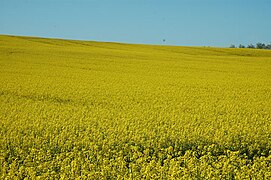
252 46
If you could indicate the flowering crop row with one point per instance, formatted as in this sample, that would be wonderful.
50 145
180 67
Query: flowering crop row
89 110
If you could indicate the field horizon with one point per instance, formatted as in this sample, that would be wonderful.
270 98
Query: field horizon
106 110
125 43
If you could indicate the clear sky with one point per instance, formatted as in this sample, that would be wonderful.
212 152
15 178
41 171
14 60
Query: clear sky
179 22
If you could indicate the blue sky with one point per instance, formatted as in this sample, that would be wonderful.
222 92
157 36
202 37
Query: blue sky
179 22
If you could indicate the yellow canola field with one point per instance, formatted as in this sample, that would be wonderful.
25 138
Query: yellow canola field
92 110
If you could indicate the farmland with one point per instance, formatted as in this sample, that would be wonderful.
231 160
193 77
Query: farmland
95 110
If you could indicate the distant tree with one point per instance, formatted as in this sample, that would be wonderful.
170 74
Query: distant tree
251 46
268 46
241 46
260 46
